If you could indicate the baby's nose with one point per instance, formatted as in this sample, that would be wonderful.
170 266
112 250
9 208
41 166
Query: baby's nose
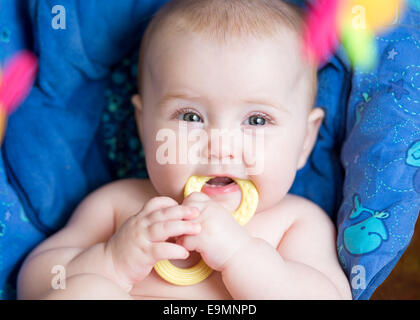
222 149
222 153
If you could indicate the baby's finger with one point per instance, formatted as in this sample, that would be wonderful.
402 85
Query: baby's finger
173 213
198 196
162 231
167 250
157 203
188 242
198 200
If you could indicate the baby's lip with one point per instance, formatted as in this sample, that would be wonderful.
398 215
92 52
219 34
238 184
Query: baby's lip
223 175
219 186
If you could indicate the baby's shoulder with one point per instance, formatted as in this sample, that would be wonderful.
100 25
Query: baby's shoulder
292 215
128 195
299 209
130 187
127 189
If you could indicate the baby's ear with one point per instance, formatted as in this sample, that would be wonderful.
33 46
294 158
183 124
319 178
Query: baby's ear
136 101
315 118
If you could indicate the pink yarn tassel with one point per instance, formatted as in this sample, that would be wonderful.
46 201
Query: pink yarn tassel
321 30
17 80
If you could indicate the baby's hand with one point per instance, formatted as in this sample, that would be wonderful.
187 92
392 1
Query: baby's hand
221 235
140 242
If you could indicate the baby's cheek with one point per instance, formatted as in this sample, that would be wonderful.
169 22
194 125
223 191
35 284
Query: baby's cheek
169 180
273 191
275 180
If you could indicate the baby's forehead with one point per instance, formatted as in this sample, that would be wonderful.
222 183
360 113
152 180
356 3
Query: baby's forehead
286 41
281 53
243 69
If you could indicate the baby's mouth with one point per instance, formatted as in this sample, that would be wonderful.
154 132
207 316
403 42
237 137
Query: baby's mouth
220 186
219 182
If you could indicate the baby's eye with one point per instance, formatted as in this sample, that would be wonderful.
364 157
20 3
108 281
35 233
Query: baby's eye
257 120
190 117
187 114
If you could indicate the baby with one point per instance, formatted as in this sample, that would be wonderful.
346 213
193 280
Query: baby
207 66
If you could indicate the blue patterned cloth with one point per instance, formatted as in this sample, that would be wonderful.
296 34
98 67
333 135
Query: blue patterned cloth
76 131
381 158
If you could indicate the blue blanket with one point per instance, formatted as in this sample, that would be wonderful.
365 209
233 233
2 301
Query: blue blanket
76 131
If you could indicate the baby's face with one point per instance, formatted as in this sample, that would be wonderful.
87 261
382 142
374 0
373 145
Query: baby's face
258 90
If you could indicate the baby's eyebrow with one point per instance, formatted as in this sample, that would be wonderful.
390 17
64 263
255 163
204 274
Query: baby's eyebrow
176 96
252 101
266 102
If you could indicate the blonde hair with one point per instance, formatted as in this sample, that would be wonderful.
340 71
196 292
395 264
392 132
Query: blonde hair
222 20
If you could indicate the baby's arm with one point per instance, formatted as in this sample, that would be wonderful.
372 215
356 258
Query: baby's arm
304 266
79 247
110 244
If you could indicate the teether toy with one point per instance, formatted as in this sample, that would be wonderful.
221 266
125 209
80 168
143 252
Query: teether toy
15 83
355 22
201 271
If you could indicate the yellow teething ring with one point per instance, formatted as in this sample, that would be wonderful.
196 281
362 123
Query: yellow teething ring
189 276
